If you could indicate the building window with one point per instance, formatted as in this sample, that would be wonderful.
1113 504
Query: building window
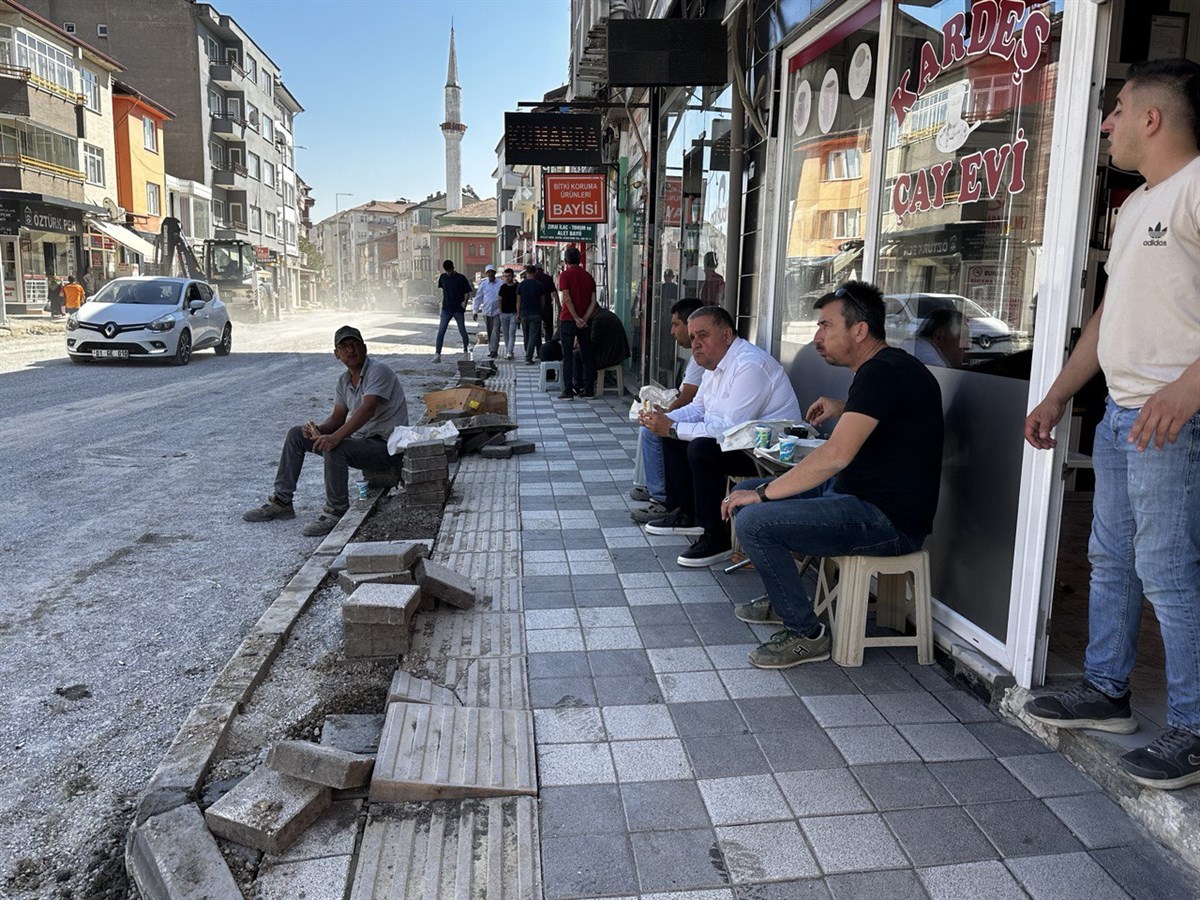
149 134
251 69
255 219
252 165
93 164
237 218
840 224
218 211
153 199
214 49
842 165
268 127
46 61
271 226
26 139
214 103
268 174
91 90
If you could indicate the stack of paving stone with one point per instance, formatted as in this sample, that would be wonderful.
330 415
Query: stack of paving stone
378 562
426 473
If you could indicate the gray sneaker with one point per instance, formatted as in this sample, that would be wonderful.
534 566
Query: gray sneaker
640 494
646 513
786 648
757 612
274 508
322 524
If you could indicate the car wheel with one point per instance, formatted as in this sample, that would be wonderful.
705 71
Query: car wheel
226 346
183 351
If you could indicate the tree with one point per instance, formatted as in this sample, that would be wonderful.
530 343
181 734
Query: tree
311 255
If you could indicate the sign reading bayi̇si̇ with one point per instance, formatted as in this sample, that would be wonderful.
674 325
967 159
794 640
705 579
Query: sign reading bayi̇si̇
571 199
1007 30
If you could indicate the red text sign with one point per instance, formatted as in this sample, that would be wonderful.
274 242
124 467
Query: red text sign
575 198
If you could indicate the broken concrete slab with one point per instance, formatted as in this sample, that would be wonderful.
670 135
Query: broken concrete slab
353 732
173 856
383 556
407 687
465 848
381 604
468 635
441 752
332 834
520 448
349 582
496 451
321 878
374 641
267 810
444 584
321 765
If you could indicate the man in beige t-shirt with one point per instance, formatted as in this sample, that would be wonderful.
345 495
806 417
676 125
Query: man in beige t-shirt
1145 337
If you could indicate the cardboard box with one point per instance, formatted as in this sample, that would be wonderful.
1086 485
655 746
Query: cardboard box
473 399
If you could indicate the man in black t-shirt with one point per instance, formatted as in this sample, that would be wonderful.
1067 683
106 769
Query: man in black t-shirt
531 296
455 290
870 490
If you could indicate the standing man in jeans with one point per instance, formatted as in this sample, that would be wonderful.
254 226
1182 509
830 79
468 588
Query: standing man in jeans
368 404
531 294
487 301
508 312
577 290
870 490
455 290
1145 338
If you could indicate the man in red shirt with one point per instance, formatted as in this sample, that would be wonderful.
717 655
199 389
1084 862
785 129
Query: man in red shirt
577 291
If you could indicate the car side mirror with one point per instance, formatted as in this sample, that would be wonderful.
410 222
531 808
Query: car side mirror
195 305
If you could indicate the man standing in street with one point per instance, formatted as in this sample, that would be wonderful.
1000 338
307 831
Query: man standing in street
455 290
368 404
1145 338
870 490
549 303
742 383
531 294
487 301
508 312
578 292
73 295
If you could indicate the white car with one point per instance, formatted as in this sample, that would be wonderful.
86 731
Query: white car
905 313
149 318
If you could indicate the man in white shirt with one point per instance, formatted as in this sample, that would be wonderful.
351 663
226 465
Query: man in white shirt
1145 337
742 383
487 301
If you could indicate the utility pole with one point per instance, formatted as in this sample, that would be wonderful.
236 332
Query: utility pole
337 224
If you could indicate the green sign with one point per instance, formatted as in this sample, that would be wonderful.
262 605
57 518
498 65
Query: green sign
581 234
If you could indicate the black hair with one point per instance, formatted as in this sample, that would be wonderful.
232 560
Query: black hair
1180 77
943 319
448 265
717 314
571 256
861 302
509 272
685 307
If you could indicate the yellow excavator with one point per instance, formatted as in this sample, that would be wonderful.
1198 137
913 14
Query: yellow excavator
230 266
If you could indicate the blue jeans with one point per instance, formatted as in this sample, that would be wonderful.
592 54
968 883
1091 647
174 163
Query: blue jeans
650 445
1146 542
457 316
508 325
357 453
820 522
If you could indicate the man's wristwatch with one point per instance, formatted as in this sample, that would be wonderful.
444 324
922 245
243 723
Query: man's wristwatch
672 432
761 490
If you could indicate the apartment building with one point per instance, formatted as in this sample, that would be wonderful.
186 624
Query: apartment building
230 149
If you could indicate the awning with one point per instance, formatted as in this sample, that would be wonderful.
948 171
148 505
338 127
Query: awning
125 237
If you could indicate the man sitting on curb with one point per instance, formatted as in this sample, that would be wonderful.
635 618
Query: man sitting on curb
742 383
649 443
870 490
368 404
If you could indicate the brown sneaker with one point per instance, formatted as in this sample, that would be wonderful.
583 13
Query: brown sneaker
322 524
274 508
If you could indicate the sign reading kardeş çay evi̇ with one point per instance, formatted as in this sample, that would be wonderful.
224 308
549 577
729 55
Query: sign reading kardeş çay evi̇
569 198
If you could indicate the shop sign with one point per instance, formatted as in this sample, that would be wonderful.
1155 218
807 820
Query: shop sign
584 234
928 245
1004 29
263 254
575 198
44 217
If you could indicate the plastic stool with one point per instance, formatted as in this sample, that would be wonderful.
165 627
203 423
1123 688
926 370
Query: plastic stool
551 376
850 596
619 372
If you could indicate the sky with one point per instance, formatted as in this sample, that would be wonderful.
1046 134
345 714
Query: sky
370 76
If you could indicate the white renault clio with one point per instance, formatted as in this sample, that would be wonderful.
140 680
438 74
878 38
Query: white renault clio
149 318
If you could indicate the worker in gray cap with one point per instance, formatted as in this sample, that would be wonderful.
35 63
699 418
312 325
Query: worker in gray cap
368 404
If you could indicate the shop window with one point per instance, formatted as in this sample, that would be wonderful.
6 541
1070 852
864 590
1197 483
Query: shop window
149 133
966 162
828 144
93 164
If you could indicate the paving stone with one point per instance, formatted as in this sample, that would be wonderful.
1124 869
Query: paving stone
1003 739
173 856
467 635
871 744
587 866
770 851
439 477
407 687
1023 828
1049 775
987 880
569 725
1065 876
659 805
677 860
467 848
638 721
321 765
775 713
563 764
713 717
978 781
445 584
836 711
940 743
743 800
1148 871
442 752
735 754
383 556
939 836
354 733
896 884
374 641
333 834
381 604
350 581
520 448
823 792
855 843
911 709
267 810
496 451
965 706
435 462
1096 820
650 760
581 809
322 878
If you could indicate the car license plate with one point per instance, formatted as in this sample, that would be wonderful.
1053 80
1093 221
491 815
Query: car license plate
110 354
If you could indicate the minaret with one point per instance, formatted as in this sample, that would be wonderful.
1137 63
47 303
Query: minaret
453 130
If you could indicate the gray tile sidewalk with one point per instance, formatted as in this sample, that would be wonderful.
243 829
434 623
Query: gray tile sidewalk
669 767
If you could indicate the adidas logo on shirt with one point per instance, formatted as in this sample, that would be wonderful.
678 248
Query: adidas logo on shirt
1157 234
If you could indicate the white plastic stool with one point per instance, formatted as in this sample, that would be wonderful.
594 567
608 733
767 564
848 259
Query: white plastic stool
618 371
851 593
551 376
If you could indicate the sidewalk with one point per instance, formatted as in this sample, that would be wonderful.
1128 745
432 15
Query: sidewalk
667 764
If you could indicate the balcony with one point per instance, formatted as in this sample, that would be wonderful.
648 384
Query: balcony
230 229
510 181
511 218
226 174
229 126
226 74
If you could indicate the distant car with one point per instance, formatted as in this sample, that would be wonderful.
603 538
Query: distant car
150 318
904 314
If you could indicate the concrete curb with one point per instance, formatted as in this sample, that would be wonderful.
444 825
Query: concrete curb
201 738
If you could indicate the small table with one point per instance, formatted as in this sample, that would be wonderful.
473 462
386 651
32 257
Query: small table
769 465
